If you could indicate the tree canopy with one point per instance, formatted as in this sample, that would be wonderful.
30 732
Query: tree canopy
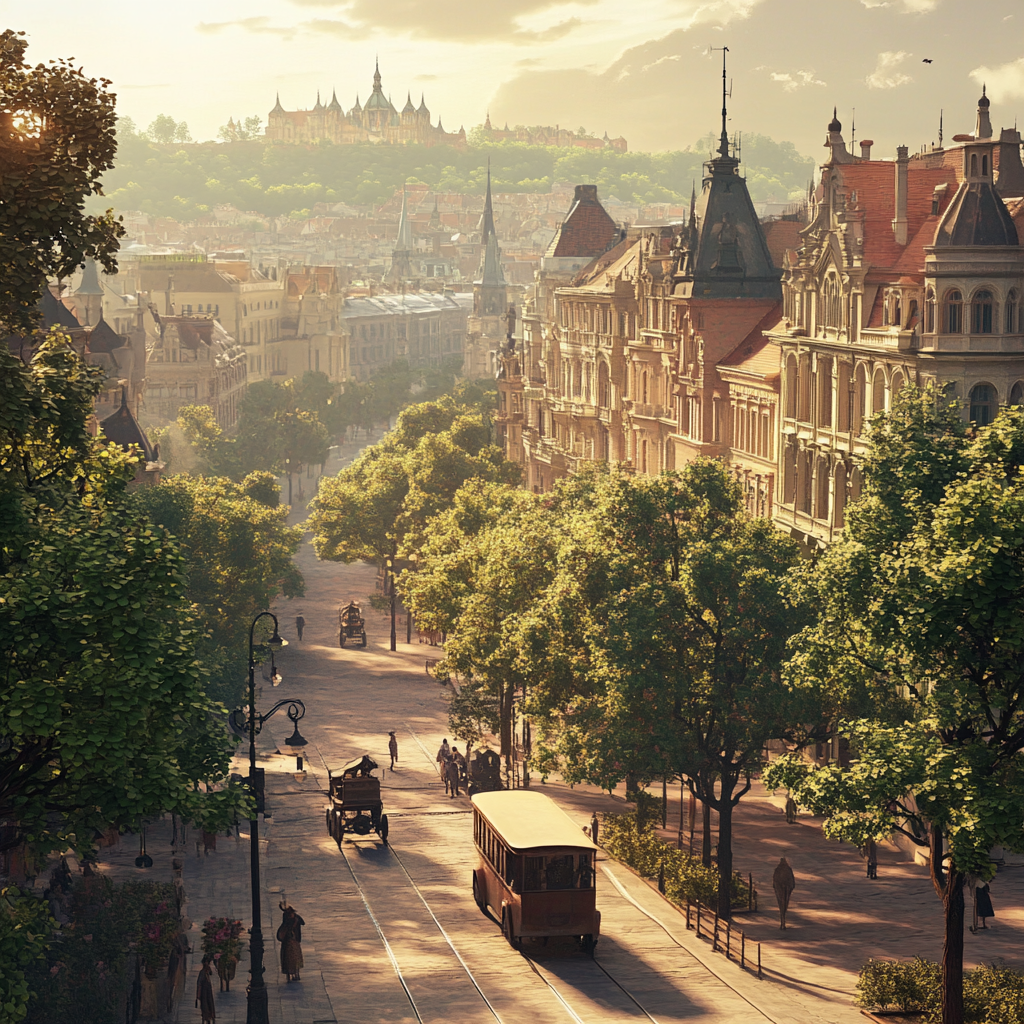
918 649
56 142
174 180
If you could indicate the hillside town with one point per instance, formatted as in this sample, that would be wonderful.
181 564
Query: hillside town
523 606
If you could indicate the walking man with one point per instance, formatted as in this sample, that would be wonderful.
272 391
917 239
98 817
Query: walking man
393 748
594 827
451 777
790 810
871 856
783 883
300 625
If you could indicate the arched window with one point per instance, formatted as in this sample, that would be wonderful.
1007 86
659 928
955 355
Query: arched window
896 383
1010 318
984 166
804 381
981 313
1017 394
844 397
824 392
821 489
974 165
878 391
789 474
831 302
860 388
954 314
791 387
984 404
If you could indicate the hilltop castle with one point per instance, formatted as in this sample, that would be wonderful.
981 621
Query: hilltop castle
376 121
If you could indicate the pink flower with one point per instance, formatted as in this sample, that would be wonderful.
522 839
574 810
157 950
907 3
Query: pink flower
55 969
216 956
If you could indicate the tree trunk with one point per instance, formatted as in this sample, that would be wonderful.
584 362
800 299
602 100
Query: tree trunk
725 809
705 843
950 887
505 711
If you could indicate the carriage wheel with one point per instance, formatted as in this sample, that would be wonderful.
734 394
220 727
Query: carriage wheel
340 832
330 832
588 942
478 898
362 642
341 639
383 830
508 929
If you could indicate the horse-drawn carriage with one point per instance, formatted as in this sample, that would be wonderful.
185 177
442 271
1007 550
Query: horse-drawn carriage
355 804
351 624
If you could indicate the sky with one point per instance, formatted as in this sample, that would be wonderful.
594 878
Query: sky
642 69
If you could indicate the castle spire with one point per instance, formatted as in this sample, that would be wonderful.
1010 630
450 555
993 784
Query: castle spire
723 142
404 241
487 219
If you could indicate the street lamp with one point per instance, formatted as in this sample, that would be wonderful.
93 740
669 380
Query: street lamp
247 718
391 576
296 741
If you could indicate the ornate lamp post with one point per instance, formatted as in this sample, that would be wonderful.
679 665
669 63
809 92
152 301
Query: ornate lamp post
248 718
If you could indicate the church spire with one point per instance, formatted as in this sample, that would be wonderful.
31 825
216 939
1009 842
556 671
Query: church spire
487 219
723 142
404 241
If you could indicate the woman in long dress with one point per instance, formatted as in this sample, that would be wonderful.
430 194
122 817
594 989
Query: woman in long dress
204 992
290 937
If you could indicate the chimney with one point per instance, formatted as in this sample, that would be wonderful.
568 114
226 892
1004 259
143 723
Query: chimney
899 224
865 148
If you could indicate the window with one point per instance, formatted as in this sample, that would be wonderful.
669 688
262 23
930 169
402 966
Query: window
1010 319
929 312
878 391
954 319
983 404
602 386
791 386
824 392
1017 394
981 313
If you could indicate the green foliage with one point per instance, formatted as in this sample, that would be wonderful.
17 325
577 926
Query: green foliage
634 841
57 142
275 180
25 928
242 130
992 995
238 553
87 971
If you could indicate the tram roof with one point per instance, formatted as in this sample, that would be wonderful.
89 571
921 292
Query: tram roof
530 821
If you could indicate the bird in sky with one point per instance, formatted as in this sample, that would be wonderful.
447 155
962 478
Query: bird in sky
926 60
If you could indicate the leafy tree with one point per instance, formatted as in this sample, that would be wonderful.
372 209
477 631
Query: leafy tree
486 558
165 129
662 636
57 140
25 929
238 550
918 648
241 131
100 686
378 506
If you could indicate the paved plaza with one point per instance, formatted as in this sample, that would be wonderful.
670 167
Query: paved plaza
393 935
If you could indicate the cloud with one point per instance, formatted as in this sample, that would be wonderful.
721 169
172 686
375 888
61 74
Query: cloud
909 6
1002 82
661 60
885 75
257 25
456 20
792 82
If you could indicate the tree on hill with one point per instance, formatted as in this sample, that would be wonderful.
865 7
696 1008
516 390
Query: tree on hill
53 154
918 650
241 130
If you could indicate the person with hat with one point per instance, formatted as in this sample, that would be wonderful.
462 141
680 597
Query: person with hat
290 937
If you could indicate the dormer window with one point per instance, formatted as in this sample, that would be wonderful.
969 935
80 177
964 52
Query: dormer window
981 313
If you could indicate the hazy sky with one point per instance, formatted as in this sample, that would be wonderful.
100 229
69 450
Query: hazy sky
638 68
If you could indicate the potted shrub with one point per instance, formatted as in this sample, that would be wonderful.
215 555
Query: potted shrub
222 939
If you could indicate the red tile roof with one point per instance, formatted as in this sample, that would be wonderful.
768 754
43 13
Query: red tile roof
755 354
874 182
587 230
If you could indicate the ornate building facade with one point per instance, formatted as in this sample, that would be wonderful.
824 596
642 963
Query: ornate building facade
376 121
910 271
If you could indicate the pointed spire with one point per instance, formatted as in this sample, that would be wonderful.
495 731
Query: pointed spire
723 142
408 108
376 73
493 274
487 218
404 241
90 283
278 109
334 105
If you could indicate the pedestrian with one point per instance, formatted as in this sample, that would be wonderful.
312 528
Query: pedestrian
451 778
290 937
460 764
783 883
300 624
791 809
983 902
871 856
393 748
443 753
204 991
594 827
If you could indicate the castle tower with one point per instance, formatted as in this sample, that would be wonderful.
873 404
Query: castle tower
401 255
89 295
490 293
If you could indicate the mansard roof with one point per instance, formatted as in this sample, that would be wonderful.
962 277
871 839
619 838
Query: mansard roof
587 230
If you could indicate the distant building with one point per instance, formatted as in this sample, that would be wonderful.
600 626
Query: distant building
313 334
485 329
546 135
376 121
423 327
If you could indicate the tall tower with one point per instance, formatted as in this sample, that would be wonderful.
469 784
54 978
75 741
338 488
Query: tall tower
490 297
401 255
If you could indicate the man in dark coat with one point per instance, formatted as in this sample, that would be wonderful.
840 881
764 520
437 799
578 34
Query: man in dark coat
393 748
783 882
204 991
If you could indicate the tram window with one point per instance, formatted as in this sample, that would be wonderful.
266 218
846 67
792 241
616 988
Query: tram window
534 877
559 874
584 873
